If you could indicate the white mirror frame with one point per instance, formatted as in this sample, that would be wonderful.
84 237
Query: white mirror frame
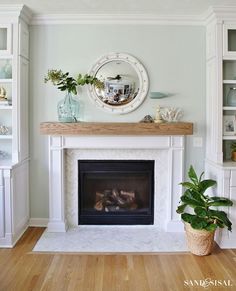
142 76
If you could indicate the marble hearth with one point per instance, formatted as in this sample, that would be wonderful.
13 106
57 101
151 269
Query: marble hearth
65 150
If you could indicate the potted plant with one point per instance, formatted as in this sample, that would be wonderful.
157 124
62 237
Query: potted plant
201 223
233 151
68 108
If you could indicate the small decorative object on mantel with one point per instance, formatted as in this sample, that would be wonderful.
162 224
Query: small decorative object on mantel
147 119
158 118
157 95
171 114
68 108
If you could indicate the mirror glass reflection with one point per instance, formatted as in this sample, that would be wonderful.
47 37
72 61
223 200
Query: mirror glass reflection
121 83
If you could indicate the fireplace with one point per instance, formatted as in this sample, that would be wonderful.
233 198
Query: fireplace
116 192
167 152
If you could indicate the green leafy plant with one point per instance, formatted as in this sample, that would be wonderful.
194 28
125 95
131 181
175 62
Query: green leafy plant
66 83
204 216
233 146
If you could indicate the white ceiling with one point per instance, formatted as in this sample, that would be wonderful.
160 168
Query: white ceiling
160 7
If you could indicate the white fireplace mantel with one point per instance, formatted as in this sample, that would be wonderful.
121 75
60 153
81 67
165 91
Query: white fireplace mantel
174 163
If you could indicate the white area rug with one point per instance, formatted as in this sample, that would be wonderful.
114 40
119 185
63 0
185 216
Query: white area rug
111 239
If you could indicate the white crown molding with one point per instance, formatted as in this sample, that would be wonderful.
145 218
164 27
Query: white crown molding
214 13
219 14
15 11
145 19
26 14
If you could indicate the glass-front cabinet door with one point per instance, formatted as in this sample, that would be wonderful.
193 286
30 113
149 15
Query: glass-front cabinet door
5 39
6 83
229 42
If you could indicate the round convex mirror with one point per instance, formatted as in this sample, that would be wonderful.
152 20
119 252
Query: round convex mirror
124 83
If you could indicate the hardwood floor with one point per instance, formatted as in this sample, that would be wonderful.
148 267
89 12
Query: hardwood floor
23 270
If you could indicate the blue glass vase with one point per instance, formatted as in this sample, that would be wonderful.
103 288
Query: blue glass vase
231 97
68 109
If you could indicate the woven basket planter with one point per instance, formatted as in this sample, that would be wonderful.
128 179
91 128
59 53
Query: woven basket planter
200 242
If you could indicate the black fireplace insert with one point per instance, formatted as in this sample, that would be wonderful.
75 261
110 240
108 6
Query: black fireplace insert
116 192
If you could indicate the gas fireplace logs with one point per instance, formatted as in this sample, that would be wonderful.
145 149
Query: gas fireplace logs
115 200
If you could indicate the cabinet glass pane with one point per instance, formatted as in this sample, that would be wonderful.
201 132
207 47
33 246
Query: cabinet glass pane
5 150
5 69
6 118
3 38
229 70
232 40
227 150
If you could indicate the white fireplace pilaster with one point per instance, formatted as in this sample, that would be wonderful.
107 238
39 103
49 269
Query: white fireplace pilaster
57 222
173 145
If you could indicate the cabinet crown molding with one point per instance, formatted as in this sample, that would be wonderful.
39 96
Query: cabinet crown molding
12 12
219 14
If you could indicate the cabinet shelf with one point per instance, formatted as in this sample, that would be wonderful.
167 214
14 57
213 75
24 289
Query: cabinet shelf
229 164
229 137
5 136
5 80
229 108
6 107
6 164
6 57
229 81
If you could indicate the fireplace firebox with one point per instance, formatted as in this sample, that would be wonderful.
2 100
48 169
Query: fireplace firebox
116 192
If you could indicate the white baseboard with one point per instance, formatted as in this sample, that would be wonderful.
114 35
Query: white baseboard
39 222
9 240
230 244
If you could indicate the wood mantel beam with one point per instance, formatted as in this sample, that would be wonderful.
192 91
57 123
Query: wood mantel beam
115 128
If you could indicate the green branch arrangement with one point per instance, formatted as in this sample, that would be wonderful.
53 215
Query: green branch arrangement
204 216
66 83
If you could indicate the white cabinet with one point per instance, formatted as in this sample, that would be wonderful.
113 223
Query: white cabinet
221 110
14 148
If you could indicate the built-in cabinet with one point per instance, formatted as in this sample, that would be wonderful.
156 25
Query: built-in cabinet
14 149
221 111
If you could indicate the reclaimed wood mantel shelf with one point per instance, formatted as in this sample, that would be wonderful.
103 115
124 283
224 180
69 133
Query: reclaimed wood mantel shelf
116 128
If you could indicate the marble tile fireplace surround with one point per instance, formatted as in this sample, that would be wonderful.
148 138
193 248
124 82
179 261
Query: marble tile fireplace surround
66 149
166 152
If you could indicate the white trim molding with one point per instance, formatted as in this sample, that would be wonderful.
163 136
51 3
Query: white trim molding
38 222
123 19
150 146
12 12
213 12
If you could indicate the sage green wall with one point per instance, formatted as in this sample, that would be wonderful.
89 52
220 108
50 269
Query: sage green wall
174 57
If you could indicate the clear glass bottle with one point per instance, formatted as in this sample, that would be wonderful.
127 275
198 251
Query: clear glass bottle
231 97
68 109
